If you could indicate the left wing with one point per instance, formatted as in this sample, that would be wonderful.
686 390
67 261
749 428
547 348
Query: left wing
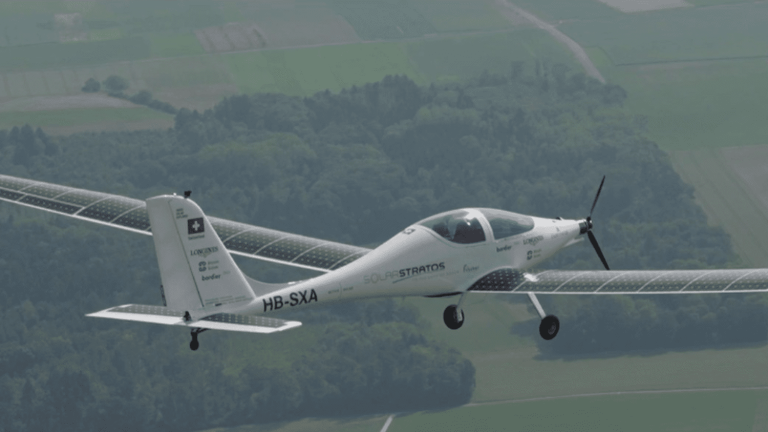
131 215
624 282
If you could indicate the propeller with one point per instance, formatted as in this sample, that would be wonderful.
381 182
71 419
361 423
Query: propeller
588 228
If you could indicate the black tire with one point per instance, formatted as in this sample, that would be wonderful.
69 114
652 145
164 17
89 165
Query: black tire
549 327
453 320
194 345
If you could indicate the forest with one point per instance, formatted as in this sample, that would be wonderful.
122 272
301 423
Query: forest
355 166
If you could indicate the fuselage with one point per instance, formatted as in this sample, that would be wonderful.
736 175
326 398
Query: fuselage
425 259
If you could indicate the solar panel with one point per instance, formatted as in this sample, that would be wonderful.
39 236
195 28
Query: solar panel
499 280
253 240
348 260
50 204
226 229
289 248
624 282
137 218
110 208
751 281
46 190
14 183
128 213
10 195
82 197
326 255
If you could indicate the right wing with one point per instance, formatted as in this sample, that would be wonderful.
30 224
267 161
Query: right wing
624 281
131 215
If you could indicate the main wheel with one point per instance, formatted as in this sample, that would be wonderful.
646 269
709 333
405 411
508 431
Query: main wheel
453 317
549 327
194 345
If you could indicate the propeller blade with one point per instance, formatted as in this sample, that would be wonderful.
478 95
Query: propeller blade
593 240
596 197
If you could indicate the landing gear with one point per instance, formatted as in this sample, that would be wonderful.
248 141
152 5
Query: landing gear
453 317
194 345
550 325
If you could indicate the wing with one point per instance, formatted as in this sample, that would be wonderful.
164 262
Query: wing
624 282
131 215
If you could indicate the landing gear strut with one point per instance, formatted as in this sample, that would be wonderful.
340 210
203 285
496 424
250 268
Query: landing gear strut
194 345
550 325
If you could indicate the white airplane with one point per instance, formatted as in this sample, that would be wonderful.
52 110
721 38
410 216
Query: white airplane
460 252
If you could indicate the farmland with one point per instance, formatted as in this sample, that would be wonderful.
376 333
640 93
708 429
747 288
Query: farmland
706 411
82 119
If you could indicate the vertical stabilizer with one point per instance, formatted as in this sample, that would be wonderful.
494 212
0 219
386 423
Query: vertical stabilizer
198 273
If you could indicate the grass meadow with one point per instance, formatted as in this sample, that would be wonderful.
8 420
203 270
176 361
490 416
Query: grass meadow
727 201
468 56
80 117
698 105
706 411
305 71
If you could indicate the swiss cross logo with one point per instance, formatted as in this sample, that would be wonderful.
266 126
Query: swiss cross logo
195 226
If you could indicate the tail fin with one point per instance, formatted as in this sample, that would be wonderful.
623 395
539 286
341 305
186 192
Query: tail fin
198 274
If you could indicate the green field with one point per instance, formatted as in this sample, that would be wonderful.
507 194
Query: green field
468 56
80 117
508 367
677 34
461 15
695 105
357 424
174 45
705 411
302 72
727 202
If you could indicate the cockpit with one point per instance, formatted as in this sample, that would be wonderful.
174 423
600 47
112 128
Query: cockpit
466 226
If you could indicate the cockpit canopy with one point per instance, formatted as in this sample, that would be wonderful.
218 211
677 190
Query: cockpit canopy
465 226
507 224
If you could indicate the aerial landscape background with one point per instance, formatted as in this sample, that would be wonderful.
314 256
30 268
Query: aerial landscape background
348 121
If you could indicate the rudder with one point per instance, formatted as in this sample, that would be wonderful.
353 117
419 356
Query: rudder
197 272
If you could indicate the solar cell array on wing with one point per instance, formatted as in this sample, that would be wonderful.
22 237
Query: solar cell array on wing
131 214
629 282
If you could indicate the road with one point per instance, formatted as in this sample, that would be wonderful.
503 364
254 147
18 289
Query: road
575 48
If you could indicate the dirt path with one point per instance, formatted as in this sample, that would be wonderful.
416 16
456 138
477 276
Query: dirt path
575 48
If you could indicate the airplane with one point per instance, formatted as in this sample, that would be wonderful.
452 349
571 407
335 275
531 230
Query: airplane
455 253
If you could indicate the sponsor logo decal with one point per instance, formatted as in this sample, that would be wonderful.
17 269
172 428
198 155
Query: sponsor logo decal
203 252
533 241
202 266
414 271
211 277
379 277
180 213
468 268
503 248
293 299
534 254
195 228
409 230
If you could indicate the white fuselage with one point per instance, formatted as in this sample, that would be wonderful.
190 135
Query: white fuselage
419 262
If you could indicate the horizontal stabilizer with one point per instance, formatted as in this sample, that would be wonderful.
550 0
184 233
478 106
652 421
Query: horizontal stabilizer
220 321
